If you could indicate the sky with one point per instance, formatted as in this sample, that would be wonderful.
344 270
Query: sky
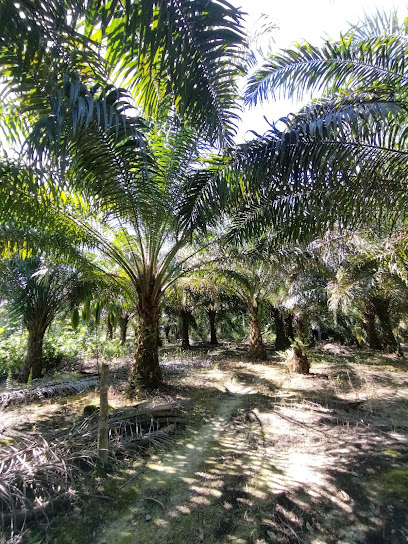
303 19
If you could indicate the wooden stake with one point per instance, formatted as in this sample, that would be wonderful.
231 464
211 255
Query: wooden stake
103 431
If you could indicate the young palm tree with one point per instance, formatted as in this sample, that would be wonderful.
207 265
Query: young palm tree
366 278
207 294
36 291
249 278
178 305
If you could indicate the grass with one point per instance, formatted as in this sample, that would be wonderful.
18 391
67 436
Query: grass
395 483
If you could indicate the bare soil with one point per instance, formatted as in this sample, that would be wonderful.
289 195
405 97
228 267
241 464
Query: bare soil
266 457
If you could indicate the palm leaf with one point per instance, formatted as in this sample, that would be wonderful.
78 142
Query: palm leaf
352 63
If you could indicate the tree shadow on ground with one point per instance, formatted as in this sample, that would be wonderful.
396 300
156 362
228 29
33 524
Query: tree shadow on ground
260 464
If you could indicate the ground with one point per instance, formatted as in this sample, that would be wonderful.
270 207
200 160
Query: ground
266 456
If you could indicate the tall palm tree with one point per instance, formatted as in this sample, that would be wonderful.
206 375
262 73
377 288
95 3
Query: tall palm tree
122 188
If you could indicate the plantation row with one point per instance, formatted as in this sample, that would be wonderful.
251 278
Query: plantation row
124 198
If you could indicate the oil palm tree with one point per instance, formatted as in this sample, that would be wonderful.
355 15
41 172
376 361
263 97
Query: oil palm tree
207 294
243 274
365 278
135 191
61 64
178 305
36 291
101 179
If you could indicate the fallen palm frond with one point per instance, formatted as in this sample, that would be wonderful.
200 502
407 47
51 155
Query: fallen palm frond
134 427
46 391
36 476
130 427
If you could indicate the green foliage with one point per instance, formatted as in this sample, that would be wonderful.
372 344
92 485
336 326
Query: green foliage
75 318
12 351
112 349
344 153
62 345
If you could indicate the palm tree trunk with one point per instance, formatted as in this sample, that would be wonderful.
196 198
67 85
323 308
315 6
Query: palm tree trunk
123 325
281 341
290 331
33 362
103 427
369 326
299 326
109 329
159 339
382 309
257 350
146 370
213 330
185 338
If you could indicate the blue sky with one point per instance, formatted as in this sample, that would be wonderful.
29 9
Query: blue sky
303 19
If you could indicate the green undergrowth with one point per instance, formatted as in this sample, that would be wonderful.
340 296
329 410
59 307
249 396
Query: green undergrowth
395 483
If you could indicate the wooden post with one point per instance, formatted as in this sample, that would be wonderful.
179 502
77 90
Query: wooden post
103 431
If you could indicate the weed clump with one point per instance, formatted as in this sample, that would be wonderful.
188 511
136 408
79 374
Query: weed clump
296 361
396 483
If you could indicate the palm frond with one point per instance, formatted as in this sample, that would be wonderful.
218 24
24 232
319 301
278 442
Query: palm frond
368 63
328 166
188 49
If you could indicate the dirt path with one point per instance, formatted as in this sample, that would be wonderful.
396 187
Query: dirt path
282 461
177 489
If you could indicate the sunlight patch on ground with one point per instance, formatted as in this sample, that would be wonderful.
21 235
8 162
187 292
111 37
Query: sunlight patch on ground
238 388
305 468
